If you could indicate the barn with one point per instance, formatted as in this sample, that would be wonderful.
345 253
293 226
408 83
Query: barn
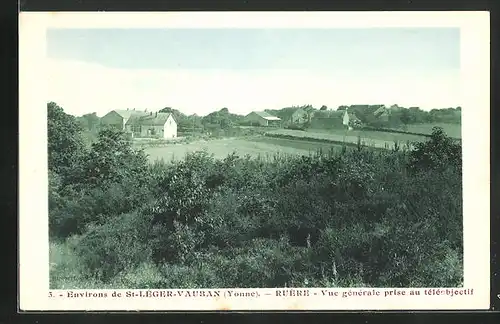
119 117
262 118
334 119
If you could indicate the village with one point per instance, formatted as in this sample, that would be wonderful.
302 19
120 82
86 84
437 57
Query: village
165 125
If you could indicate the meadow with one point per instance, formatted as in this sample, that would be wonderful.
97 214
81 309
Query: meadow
287 141
280 141
366 138
255 146
452 130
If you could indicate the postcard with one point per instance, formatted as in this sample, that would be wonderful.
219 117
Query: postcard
252 161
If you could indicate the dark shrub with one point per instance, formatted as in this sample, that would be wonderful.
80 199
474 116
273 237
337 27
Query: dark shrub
439 152
113 160
119 245
260 263
66 147
73 209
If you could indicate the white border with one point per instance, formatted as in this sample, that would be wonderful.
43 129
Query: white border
33 224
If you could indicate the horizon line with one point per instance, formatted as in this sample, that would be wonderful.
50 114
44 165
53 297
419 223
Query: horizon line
258 110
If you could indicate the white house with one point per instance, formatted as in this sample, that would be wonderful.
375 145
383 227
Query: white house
160 125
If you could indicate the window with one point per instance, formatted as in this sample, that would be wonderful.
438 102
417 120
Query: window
136 128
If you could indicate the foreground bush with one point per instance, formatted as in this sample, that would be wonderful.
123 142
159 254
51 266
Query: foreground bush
118 246
355 217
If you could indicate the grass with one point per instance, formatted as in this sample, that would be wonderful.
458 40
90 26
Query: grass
266 145
65 267
368 138
300 146
65 271
262 146
253 146
452 130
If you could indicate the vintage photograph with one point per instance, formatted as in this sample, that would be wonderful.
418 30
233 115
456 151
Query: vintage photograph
254 161
244 158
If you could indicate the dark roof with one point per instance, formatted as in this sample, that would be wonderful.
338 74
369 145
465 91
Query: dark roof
336 114
150 119
287 113
380 110
365 109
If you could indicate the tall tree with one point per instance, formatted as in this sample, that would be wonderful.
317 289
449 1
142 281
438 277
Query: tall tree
65 142
405 117
90 121
112 159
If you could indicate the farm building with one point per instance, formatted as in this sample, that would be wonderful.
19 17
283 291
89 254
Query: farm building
161 125
365 110
118 118
262 118
395 108
382 113
334 119
142 123
294 115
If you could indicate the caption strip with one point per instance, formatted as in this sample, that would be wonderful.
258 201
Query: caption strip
259 293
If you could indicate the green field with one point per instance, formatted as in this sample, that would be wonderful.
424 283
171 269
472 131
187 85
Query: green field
368 138
370 135
303 144
253 146
452 130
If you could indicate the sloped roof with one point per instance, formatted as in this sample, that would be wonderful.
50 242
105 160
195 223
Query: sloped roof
380 110
337 114
150 119
266 115
366 109
395 108
287 113
130 112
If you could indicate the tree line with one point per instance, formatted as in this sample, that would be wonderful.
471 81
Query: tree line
223 119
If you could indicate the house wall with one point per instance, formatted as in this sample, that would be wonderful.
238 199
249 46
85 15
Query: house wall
151 131
384 117
300 116
161 131
256 119
327 123
113 119
274 123
170 128
128 128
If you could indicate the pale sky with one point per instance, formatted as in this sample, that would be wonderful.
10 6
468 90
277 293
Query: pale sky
202 70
